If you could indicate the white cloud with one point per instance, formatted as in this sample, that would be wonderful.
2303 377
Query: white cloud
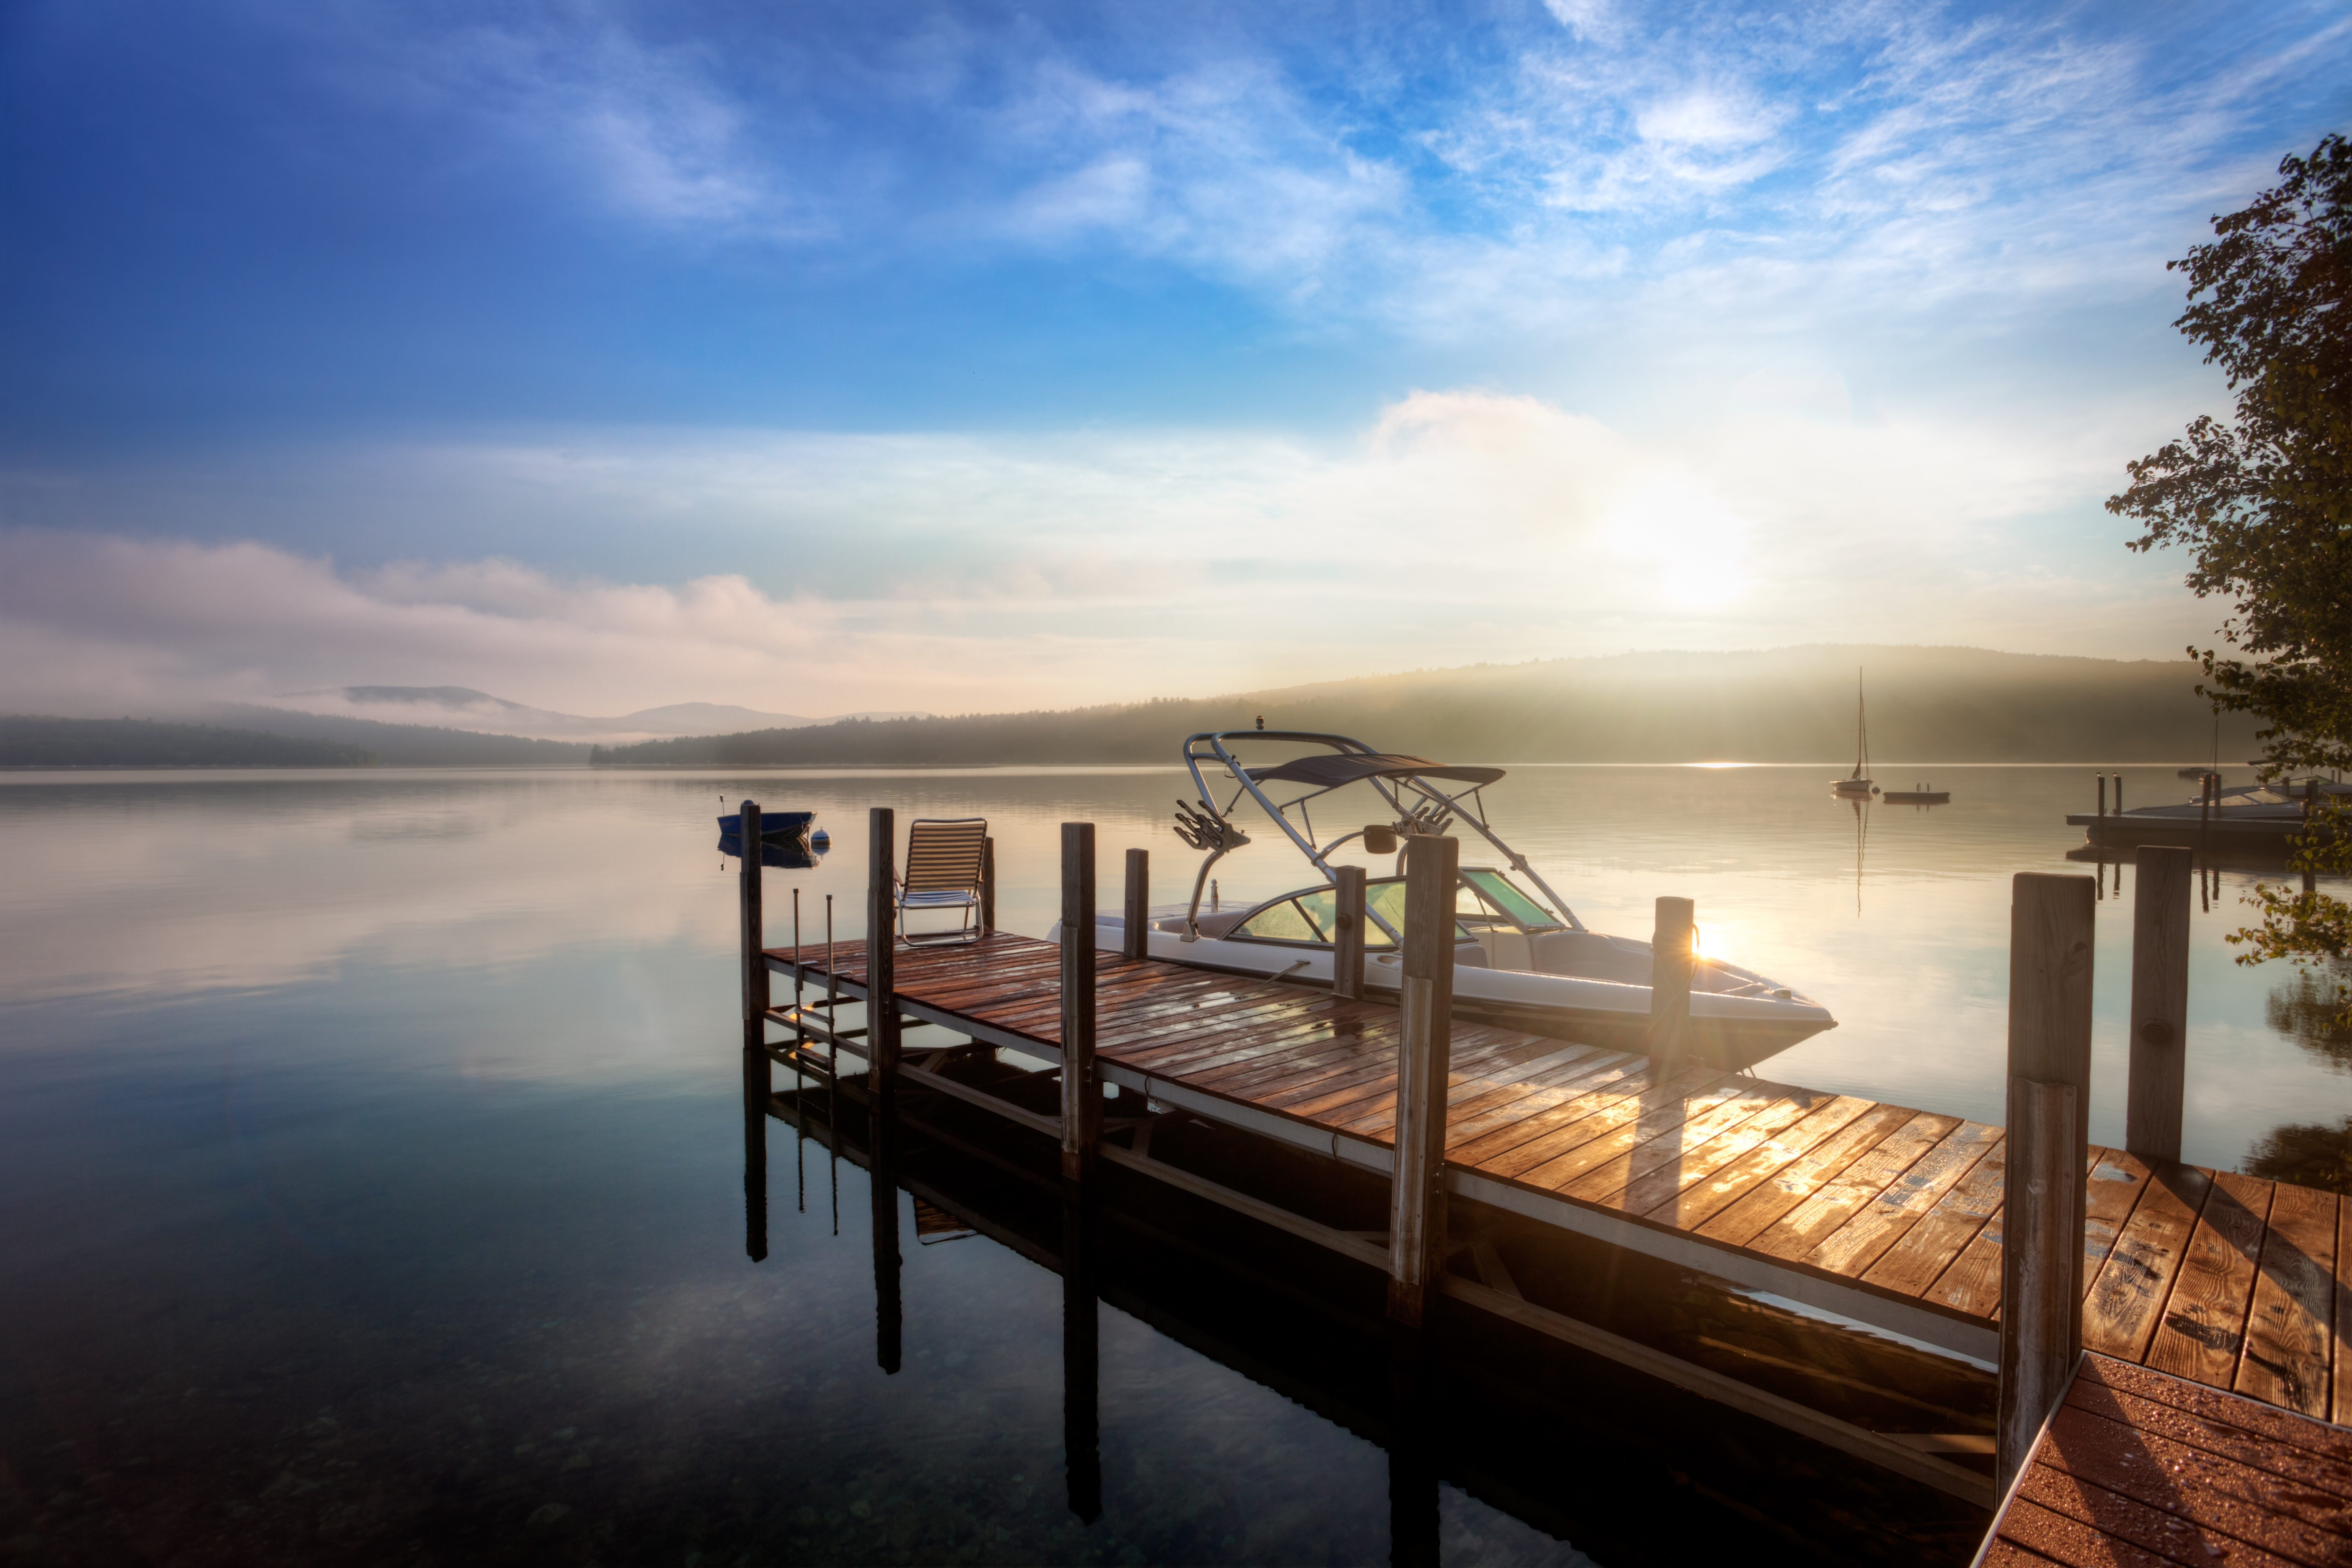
1013 571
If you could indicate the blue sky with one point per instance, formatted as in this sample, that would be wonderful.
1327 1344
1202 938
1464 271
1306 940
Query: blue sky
965 357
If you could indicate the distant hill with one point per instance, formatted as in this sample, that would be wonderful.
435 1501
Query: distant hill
38 743
1780 705
463 708
405 745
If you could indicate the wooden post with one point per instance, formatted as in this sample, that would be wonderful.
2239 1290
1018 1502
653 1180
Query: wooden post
1138 905
1425 997
2040 1264
2159 1004
1081 1091
882 1078
882 961
1668 1039
2050 928
1348 949
2103 794
988 884
755 963
758 1081
2119 795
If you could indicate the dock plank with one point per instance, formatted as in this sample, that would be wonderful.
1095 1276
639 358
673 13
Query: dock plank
1652 1185
1882 1221
1772 1195
1921 1254
2288 1333
1814 1221
1663 1116
2125 1302
1648 1099
2203 1329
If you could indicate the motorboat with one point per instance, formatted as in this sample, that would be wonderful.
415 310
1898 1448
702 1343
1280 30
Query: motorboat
2245 816
1522 959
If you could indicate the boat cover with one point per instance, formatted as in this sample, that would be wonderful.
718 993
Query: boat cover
1330 770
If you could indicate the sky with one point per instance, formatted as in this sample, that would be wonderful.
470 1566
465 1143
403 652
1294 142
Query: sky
826 357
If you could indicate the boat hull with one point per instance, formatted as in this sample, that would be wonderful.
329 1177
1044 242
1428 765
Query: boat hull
1726 1032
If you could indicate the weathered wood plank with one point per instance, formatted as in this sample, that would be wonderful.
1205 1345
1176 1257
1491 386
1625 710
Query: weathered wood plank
2126 1298
2220 1434
2039 1535
2267 1423
1689 1207
2217 1493
1647 1188
1662 1104
1881 1222
1782 1190
2287 1349
1811 1221
2204 1325
1666 1152
2135 1525
1666 1116
1917 1260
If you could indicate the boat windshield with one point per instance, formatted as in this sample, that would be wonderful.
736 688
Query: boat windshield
1313 917
1513 905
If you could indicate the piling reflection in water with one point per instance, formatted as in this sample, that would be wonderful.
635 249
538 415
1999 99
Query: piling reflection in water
1627 1470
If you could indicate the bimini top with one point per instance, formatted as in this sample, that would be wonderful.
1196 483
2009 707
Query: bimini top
1330 771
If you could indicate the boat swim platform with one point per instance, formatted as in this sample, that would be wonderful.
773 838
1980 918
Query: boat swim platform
1882 1215
2137 1466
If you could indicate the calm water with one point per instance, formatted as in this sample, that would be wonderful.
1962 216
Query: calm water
370 1164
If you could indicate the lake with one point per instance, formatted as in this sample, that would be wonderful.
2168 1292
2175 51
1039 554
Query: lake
370 1161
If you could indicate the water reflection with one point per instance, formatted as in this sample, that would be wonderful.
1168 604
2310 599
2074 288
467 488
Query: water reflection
1611 1467
2310 1156
2309 1009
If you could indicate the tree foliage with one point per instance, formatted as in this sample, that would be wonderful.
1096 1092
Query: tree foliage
2265 502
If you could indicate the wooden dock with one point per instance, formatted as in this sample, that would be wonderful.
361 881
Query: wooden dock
2017 1249
1882 1214
2137 1466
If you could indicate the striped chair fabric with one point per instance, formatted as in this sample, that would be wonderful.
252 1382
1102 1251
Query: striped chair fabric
945 856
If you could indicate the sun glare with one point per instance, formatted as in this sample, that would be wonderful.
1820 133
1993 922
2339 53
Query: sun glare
1694 546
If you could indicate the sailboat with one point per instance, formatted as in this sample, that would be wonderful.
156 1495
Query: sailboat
1858 785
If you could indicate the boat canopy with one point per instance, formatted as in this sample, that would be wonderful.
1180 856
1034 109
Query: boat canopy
1332 770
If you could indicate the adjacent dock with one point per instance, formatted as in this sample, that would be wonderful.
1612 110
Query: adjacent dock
2140 1467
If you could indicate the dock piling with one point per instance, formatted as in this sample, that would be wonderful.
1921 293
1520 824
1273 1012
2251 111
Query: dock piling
2044 1186
988 883
2103 794
1668 1039
1347 949
1081 1088
759 1081
2159 1005
882 1078
1138 924
755 967
1426 1000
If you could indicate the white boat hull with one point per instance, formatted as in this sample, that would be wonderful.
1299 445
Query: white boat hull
1729 1032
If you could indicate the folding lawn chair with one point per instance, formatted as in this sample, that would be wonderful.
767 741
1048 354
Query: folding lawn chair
944 861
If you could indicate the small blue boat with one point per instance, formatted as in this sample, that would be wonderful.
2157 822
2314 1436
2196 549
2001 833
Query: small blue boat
774 826
784 840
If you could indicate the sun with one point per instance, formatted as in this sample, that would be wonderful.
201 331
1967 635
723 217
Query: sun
1694 547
